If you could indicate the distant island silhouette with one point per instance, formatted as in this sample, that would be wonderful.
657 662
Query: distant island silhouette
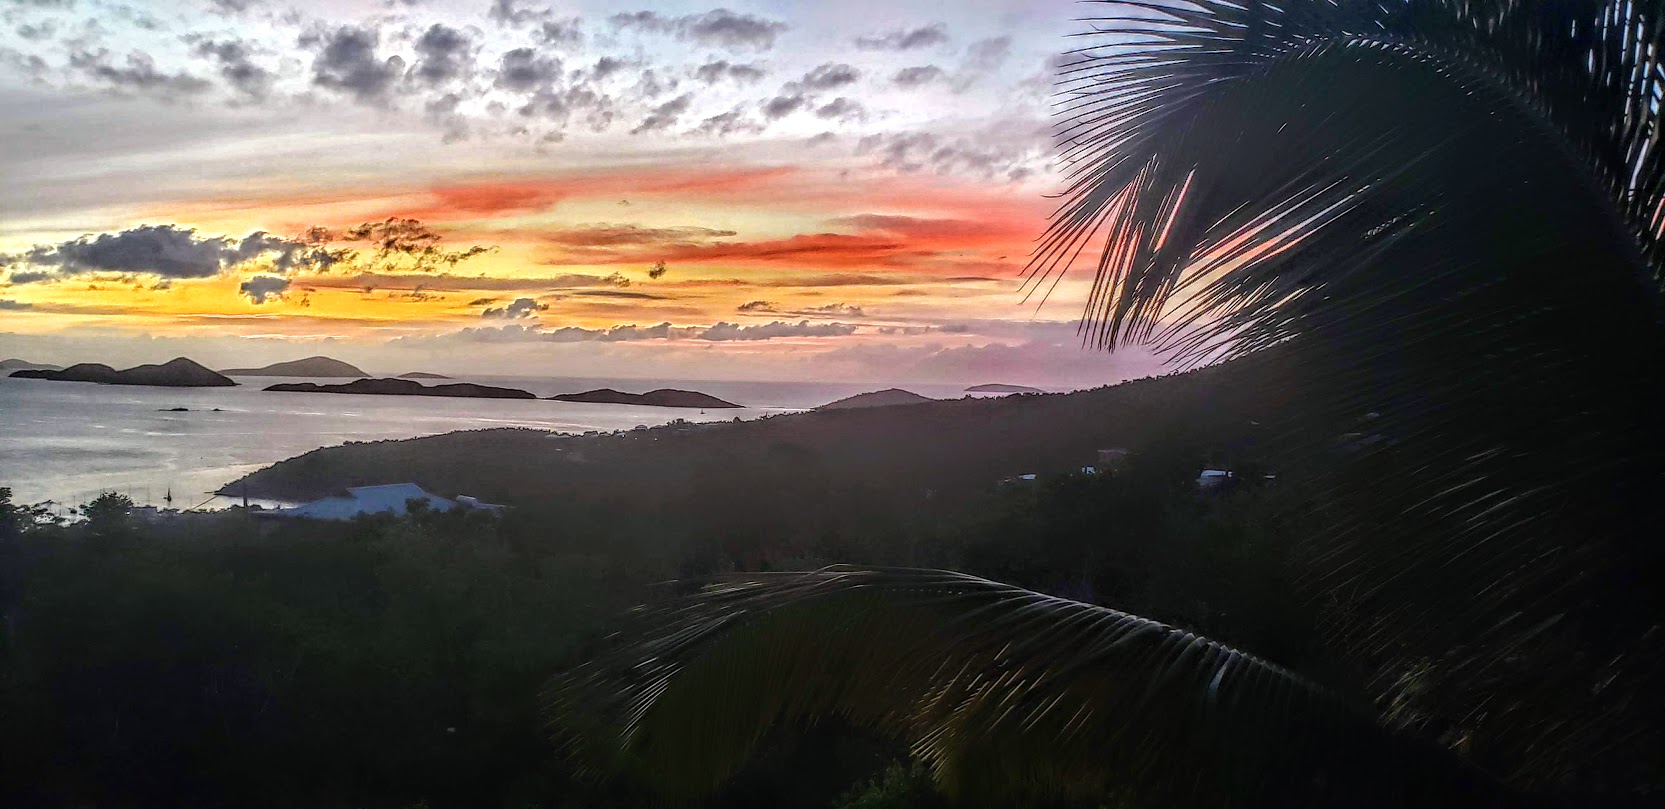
422 375
176 373
311 366
878 398
403 387
999 388
664 397
15 364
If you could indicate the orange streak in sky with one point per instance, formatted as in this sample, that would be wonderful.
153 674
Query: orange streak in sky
466 200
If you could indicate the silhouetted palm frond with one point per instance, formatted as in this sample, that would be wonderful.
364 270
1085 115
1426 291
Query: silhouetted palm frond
1010 695
1449 217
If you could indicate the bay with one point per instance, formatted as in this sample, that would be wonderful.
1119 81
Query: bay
68 442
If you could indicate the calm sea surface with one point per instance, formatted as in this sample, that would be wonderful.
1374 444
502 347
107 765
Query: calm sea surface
70 441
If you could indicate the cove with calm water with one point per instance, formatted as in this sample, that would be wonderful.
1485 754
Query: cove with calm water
70 441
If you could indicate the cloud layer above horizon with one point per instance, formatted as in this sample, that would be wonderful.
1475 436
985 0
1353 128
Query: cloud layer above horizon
736 190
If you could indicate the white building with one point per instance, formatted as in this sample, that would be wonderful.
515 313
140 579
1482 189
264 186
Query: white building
391 498
1211 478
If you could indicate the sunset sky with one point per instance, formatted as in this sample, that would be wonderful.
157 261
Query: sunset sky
776 190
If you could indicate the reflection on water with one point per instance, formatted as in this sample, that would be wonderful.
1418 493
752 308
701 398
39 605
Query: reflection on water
69 441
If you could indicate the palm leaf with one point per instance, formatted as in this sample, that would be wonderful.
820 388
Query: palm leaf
1010 695
1448 214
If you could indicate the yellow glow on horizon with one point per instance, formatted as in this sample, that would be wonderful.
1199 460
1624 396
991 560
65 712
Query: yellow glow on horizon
886 253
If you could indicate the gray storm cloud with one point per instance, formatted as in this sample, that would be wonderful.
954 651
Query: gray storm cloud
167 251
137 72
917 76
713 72
717 28
905 39
345 60
235 60
263 288
444 54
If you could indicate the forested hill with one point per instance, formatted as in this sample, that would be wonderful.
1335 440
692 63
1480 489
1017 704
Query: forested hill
1195 418
406 662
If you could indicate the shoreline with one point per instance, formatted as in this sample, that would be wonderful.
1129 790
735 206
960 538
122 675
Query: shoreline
69 442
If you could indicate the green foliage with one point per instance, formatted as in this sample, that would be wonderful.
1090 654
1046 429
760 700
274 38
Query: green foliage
1011 696
389 661
1434 228
11 521
1444 214
900 787
210 657
110 515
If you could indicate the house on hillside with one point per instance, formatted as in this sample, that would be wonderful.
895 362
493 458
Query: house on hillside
1215 478
392 498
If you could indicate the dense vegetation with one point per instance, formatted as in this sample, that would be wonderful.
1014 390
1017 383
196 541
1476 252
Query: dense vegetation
225 660
1429 232
1446 217
946 446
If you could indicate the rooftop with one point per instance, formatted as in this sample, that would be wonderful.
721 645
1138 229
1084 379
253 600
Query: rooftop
390 498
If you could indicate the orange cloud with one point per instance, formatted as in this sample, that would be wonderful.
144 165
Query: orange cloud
965 232
468 200
475 200
812 249
961 245
489 199
615 235
730 234
916 205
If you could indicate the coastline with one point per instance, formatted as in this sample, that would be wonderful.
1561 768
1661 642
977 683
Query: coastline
70 442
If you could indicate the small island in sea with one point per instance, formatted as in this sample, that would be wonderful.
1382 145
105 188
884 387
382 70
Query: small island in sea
999 388
403 387
176 373
422 375
311 366
15 364
664 397
877 398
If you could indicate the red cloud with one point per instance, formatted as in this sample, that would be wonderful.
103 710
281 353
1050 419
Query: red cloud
822 249
920 227
932 225
807 249
491 198
603 236
474 200
962 245
480 199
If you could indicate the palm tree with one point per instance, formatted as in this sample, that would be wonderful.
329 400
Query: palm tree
1449 214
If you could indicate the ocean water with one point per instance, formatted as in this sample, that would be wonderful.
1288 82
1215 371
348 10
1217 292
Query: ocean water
68 442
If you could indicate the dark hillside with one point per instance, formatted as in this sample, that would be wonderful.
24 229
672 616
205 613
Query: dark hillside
878 398
937 445
401 662
311 366
176 373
